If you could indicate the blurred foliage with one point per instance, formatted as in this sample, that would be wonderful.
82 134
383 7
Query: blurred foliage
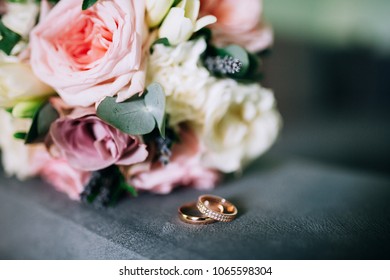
334 23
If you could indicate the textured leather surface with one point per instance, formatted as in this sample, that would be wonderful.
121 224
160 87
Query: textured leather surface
288 209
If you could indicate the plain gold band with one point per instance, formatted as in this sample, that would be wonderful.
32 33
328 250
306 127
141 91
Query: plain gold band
189 213
217 208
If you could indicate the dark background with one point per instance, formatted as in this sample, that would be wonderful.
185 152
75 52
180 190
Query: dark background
334 102
330 71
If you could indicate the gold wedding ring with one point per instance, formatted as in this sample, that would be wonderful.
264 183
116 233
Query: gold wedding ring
216 208
189 213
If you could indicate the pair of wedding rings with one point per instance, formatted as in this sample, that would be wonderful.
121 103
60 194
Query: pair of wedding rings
208 209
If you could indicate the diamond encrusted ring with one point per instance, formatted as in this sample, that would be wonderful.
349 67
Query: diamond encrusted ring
217 208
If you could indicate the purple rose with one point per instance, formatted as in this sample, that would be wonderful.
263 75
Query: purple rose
89 144
3 7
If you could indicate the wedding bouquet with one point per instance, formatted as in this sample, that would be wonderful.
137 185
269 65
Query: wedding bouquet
103 97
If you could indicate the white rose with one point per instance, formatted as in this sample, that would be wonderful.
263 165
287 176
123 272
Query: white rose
182 21
21 17
16 156
186 84
241 124
18 83
236 122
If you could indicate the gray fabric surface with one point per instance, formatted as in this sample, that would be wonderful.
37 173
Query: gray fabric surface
288 209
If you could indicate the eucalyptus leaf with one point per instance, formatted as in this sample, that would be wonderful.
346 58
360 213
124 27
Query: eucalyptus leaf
138 115
130 116
41 123
155 102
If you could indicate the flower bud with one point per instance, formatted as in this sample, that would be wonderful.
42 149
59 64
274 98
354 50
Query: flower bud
18 83
156 10
26 109
182 21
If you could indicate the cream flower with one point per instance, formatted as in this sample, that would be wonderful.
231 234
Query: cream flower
240 125
182 21
18 83
17 158
9 58
236 122
21 17
186 84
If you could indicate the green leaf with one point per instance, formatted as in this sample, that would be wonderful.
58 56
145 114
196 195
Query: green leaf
130 189
8 39
205 32
137 115
254 72
88 3
42 121
130 116
20 135
176 2
164 41
9 110
51 1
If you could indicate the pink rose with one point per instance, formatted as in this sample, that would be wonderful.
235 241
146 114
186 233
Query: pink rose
89 144
238 22
66 179
88 55
44 9
184 169
58 173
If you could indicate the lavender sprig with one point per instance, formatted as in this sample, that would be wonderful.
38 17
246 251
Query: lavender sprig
164 149
102 187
